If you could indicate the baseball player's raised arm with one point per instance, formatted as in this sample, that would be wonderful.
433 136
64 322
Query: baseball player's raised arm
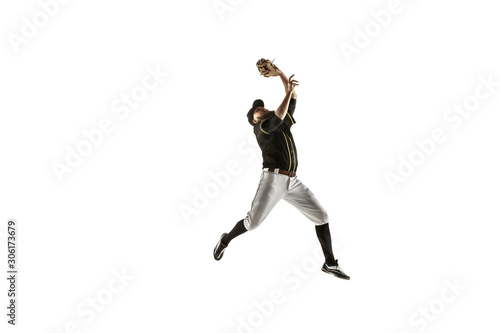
282 109
290 87
291 106
284 79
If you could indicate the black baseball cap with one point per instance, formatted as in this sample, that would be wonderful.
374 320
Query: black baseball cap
256 104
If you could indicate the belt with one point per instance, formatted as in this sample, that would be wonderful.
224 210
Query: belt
283 172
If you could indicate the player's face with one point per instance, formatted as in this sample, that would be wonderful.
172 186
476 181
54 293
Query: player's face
260 113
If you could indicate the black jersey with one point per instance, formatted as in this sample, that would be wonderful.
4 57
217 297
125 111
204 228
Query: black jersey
276 140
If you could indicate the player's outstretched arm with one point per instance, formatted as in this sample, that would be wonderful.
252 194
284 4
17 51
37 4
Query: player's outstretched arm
284 79
290 88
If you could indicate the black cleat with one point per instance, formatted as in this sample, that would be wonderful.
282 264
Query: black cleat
219 248
335 270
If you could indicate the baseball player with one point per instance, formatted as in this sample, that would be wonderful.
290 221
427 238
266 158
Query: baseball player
279 179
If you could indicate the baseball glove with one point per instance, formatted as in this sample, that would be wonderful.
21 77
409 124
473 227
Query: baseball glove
267 68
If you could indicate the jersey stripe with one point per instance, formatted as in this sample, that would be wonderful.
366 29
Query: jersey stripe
294 155
289 155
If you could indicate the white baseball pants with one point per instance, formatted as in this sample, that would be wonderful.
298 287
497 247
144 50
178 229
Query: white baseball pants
272 188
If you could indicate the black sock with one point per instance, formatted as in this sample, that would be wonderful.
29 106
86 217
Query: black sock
323 233
238 229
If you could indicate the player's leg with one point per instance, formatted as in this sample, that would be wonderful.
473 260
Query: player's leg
237 230
224 240
325 239
301 197
272 188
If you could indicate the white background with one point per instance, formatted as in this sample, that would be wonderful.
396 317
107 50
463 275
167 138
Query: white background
120 208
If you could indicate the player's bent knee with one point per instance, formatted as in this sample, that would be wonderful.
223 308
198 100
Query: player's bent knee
325 217
322 219
254 224
250 224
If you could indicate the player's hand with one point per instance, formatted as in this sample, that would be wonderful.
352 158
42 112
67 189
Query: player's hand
291 84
